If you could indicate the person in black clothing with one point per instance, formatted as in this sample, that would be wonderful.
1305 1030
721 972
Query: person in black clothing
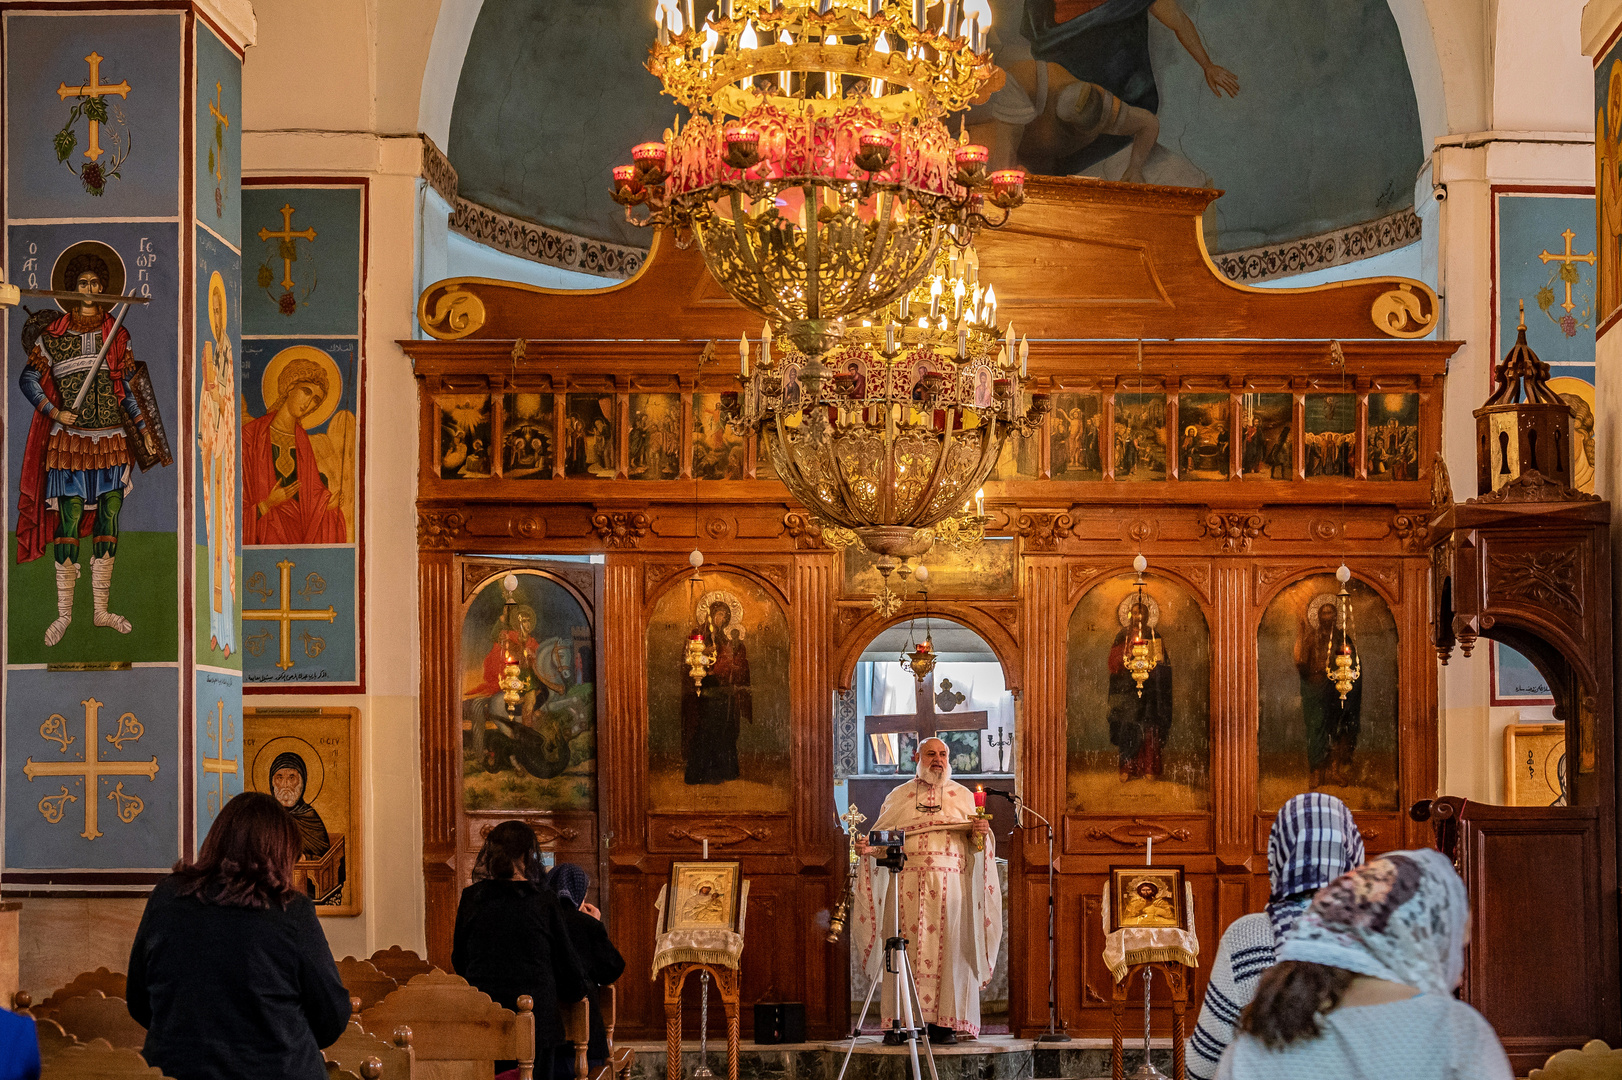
230 973
510 938
600 960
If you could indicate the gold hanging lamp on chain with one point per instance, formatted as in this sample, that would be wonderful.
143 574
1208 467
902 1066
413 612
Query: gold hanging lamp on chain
1141 656
1342 665
512 680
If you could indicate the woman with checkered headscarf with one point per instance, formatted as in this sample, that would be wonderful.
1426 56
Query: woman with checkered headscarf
1314 840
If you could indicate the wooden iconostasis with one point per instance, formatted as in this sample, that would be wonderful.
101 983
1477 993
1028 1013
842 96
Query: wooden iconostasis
1245 463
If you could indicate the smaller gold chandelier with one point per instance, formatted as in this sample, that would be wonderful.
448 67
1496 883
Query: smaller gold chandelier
698 657
512 682
1342 664
1141 657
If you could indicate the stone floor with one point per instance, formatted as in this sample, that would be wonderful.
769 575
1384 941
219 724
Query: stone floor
997 1057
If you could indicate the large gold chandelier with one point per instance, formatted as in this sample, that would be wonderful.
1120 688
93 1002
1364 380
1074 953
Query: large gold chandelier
892 432
816 170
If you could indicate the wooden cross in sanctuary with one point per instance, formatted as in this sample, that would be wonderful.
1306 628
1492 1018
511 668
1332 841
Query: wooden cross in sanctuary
925 719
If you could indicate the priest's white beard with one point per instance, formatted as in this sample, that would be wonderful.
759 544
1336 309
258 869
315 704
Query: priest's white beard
937 775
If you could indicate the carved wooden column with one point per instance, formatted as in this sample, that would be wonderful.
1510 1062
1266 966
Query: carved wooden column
1043 614
812 591
441 737
1233 739
622 748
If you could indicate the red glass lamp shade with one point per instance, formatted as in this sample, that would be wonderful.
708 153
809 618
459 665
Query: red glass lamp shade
627 185
650 161
743 146
875 145
971 164
1007 188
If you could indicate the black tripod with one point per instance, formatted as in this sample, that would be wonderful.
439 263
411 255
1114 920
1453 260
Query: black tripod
909 1008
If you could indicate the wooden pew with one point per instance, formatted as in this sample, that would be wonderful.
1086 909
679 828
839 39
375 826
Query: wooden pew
356 1049
401 965
97 1061
96 1016
364 981
52 1039
109 983
458 1033
577 1030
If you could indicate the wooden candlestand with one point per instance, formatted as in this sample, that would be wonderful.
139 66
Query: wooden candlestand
726 984
1176 976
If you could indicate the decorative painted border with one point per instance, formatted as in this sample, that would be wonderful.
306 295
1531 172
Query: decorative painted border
538 243
1321 251
438 170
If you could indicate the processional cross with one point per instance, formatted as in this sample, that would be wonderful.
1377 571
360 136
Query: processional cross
92 768
924 719
92 89
287 236
287 615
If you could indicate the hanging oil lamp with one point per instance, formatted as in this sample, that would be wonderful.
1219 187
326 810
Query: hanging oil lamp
698 656
1140 659
512 682
921 660
1342 664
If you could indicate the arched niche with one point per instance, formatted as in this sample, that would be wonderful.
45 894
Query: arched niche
1307 738
544 758
721 744
1132 753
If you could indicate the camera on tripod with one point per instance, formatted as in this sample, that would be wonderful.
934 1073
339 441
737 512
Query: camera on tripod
892 841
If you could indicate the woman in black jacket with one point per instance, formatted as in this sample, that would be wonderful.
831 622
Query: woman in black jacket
511 940
230 973
599 959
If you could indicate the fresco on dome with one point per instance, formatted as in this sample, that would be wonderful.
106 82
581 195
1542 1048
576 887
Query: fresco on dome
1182 92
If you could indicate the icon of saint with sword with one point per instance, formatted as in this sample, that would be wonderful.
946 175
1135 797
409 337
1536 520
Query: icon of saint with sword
95 417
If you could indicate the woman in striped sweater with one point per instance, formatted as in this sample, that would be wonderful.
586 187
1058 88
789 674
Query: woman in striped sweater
1314 841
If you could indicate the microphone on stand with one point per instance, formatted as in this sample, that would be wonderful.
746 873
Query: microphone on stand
1009 795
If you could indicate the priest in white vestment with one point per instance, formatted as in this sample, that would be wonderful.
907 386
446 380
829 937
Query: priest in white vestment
949 895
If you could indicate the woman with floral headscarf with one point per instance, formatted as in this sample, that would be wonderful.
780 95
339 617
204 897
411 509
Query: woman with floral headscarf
1364 984
1314 841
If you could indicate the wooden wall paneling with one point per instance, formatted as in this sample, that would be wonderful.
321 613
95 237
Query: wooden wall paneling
438 606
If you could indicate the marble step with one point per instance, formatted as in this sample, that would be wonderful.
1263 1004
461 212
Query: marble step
990 1058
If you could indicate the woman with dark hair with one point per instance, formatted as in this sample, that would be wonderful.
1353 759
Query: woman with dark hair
511 940
601 962
1364 985
230 973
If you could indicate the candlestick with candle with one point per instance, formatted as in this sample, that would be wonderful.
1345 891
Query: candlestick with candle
980 814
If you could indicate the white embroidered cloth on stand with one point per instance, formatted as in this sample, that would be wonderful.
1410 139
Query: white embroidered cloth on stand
1133 945
709 946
